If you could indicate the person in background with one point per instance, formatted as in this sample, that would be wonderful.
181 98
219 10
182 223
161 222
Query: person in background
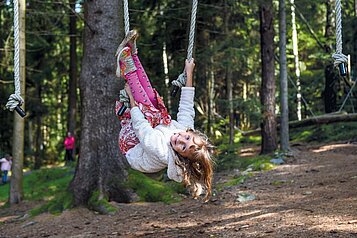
69 146
6 163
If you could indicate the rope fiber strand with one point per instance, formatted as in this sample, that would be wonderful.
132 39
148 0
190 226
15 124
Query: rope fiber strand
15 100
339 56
182 78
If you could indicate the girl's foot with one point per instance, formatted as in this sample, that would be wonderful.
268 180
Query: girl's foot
129 40
125 62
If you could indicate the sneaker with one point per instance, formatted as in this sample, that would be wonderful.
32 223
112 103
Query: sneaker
129 40
125 62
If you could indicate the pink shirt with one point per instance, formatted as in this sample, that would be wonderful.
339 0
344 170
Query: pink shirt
69 143
5 164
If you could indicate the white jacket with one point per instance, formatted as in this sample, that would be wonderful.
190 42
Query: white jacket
154 151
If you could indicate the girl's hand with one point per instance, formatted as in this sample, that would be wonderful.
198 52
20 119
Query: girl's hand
189 67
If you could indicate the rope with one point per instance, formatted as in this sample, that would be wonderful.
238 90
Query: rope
339 56
126 17
124 98
16 99
181 80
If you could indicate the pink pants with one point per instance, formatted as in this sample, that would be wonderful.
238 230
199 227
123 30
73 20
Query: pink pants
149 102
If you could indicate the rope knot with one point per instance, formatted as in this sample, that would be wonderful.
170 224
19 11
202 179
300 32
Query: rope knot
180 81
14 101
123 97
339 58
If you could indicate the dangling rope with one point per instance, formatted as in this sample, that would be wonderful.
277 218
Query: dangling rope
181 80
126 17
15 100
339 57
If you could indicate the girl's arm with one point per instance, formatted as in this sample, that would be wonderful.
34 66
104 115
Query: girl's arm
186 113
151 140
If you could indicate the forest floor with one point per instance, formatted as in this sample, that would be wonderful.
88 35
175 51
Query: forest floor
314 194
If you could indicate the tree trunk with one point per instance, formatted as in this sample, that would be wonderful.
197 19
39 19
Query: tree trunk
101 166
296 61
16 189
210 89
269 132
229 80
284 122
331 74
72 85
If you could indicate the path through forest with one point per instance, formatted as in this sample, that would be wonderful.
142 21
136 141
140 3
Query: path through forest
314 194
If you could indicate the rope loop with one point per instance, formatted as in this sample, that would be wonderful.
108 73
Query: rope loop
180 81
14 101
124 98
339 57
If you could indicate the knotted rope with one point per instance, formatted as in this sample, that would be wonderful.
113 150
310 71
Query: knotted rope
181 80
16 99
339 56
123 96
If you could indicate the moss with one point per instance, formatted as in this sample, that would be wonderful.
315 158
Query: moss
150 190
56 205
325 133
101 204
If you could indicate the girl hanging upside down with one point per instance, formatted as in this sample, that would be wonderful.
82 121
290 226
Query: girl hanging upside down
150 139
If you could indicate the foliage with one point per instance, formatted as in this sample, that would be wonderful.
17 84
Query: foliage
325 133
48 186
59 203
228 158
151 190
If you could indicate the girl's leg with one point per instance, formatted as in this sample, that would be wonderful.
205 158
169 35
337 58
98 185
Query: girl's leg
131 76
144 80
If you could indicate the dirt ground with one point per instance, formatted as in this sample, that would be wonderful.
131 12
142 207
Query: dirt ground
314 194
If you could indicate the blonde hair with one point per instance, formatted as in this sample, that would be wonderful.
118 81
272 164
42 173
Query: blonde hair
198 168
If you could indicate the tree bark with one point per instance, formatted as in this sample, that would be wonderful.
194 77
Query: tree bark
101 166
211 104
331 74
269 132
284 131
16 189
296 60
229 79
72 85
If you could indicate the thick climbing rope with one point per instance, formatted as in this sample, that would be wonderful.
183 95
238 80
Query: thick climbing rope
126 17
16 99
339 56
181 80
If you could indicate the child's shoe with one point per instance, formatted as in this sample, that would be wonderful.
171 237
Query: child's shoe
129 40
125 62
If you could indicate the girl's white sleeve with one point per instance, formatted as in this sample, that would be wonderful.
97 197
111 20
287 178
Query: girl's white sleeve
152 141
186 112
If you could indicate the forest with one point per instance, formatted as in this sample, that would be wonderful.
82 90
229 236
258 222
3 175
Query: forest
267 86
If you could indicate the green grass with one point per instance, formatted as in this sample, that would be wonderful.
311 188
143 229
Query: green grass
325 133
50 186
42 184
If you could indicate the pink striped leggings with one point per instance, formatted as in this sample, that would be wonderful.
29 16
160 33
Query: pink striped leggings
148 101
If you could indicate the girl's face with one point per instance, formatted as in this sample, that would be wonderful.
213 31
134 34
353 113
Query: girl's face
182 143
